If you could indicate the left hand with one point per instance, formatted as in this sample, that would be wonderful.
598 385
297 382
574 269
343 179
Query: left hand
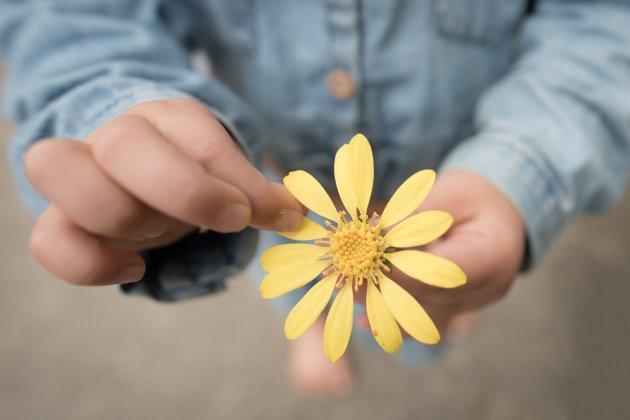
487 241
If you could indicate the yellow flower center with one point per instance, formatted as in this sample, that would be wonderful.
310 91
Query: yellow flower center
357 248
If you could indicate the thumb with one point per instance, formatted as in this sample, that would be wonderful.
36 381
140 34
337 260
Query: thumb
466 247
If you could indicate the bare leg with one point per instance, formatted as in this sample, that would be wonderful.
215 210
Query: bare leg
312 373
461 325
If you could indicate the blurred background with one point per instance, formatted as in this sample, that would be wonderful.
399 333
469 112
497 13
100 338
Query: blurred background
556 348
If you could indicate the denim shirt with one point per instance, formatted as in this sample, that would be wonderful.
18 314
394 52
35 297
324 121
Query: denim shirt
538 102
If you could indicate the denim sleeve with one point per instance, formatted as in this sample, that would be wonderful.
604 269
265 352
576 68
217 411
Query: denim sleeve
554 134
72 65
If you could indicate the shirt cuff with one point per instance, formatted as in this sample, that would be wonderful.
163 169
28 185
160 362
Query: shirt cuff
195 266
150 92
524 177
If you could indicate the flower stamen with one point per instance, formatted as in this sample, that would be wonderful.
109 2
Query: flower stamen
357 248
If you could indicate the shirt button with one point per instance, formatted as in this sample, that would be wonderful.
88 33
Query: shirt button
341 84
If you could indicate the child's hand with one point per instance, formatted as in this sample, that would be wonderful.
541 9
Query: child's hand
145 179
487 241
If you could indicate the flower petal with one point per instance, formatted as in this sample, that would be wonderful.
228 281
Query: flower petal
308 309
383 324
308 191
408 312
289 278
408 197
339 324
307 231
285 255
428 268
419 229
363 170
344 178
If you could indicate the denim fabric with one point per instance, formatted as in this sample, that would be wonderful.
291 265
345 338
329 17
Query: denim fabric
536 103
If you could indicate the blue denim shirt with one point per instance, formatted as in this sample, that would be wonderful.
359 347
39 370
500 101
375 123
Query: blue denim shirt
538 103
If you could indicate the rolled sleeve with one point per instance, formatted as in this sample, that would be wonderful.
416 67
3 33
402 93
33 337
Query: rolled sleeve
101 58
554 133
79 113
524 178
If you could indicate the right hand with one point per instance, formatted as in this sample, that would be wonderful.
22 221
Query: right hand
145 179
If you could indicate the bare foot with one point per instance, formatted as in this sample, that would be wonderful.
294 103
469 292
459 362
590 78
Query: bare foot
312 373
461 325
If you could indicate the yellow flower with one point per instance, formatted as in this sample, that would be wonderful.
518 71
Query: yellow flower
356 249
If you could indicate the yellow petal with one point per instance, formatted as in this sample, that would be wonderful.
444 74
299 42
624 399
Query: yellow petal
285 280
282 256
383 324
408 312
308 191
363 170
308 309
344 178
419 229
408 197
307 231
428 268
339 324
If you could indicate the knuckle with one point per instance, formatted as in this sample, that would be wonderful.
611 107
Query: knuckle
37 159
123 221
108 139
209 155
77 280
128 226
502 288
87 274
164 107
40 243
188 198
136 222
87 271
151 108
46 241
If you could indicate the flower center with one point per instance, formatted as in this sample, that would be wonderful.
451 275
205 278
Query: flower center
357 249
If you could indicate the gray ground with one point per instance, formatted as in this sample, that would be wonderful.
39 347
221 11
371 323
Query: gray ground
556 348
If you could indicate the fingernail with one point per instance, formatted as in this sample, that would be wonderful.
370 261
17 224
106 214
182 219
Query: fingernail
288 220
154 228
234 218
131 274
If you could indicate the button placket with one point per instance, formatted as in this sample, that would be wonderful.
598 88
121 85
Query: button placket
343 77
341 84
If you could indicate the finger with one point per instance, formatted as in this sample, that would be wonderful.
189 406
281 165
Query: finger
77 257
141 160
467 247
193 127
176 231
64 171
440 315
445 303
363 323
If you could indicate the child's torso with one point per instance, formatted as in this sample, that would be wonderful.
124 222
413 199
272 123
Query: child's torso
406 73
